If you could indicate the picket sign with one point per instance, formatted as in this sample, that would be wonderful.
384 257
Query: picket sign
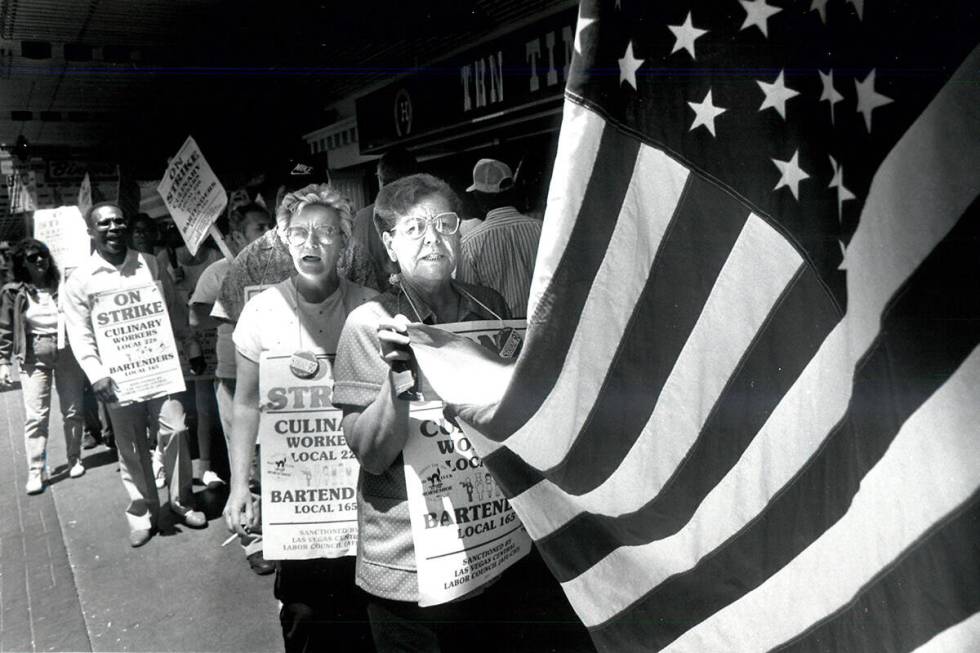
194 196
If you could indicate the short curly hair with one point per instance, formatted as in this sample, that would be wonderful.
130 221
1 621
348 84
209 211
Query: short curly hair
315 195
397 199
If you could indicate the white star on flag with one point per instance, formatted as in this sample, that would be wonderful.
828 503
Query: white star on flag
838 182
868 98
583 22
829 93
686 34
757 13
776 95
705 113
820 6
628 66
859 6
792 174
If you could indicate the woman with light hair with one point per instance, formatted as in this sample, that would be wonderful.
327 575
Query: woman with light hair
300 317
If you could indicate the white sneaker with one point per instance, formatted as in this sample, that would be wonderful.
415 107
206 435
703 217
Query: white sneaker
211 480
77 470
35 484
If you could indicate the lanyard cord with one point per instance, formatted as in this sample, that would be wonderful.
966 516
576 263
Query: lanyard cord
299 315
458 289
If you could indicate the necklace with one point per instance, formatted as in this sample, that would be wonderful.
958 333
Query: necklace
303 363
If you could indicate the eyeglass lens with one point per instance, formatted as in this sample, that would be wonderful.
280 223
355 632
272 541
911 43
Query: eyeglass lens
444 223
298 235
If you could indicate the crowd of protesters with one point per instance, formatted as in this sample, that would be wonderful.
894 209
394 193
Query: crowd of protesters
331 282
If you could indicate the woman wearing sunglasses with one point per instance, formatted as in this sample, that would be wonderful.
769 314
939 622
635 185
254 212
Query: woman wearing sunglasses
419 226
29 319
300 317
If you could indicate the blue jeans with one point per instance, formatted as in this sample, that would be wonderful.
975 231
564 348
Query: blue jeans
43 364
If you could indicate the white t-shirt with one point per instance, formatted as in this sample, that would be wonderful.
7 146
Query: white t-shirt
41 315
271 322
206 292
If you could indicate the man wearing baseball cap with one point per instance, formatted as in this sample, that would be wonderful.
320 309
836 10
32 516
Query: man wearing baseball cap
500 252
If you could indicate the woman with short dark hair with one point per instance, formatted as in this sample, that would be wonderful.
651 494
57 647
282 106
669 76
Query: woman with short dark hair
29 324
418 221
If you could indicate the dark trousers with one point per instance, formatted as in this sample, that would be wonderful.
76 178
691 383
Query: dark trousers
524 611
322 608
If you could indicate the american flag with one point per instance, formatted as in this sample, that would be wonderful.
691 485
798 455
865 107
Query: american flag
747 413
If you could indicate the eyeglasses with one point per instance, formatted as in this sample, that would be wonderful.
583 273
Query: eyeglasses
414 227
36 256
109 223
325 234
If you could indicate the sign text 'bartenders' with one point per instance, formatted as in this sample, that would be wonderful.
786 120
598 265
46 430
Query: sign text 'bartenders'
309 475
464 530
136 343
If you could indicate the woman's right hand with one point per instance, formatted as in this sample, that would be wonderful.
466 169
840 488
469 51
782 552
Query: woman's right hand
5 378
238 512
394 340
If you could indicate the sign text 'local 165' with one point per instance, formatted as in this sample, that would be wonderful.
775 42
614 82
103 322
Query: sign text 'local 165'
521 69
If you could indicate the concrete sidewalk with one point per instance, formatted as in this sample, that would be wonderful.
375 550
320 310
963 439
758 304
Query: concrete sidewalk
69 581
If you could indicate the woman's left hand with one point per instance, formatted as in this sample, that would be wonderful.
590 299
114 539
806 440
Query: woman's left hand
394 340
5 378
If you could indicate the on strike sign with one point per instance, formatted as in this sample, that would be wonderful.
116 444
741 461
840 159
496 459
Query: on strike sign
193 194
136 344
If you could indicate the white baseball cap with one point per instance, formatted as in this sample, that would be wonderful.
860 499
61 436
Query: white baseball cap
491 176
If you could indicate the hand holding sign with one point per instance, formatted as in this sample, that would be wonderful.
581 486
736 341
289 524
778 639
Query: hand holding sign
105 390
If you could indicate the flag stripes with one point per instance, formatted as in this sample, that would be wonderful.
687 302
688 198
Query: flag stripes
836 575
622 275
698 246
751 394
928 339
578 146
575 272
938 580
964 636
720 383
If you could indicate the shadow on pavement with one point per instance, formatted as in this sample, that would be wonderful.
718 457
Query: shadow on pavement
211 501
104 457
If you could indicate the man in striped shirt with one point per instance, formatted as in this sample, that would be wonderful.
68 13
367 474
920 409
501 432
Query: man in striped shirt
500 252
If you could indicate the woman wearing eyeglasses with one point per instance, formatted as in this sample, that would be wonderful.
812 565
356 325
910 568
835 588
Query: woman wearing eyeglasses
419 226
29 318
300 316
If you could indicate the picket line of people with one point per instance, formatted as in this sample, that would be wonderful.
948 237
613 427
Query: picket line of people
293 290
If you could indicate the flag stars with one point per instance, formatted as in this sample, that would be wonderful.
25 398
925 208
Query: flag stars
838 182
628 66
705 113
868 98
791 174
757 14
776 95
685 35
829 93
